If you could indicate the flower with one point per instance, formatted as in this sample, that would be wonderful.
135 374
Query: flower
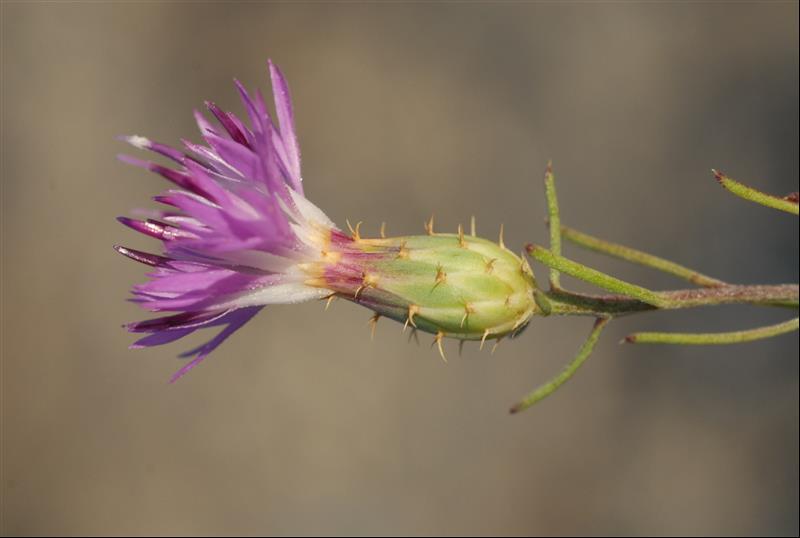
239 234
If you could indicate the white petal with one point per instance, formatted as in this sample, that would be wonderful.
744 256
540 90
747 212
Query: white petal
309 211
287 293
259 260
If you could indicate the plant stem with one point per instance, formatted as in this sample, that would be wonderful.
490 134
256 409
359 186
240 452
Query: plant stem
554 219
630 298
637 256
572 303
734 337
545 390
785 294
564 302
592 276
648 260
752 195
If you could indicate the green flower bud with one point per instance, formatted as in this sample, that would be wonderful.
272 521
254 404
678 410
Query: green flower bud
449 285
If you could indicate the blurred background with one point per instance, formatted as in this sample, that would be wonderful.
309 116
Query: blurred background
299 424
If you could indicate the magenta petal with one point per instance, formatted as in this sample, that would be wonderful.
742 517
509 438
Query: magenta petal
236 134
181 179
141 142
233 227
142 257
139 226
236 320
237 156
257 116
203 124
155 229
283 108
184 320
161 338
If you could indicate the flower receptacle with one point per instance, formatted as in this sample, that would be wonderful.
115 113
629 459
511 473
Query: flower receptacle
450 284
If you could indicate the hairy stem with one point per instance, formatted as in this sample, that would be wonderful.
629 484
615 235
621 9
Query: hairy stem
629 298
787 204
637 256
735 337
555 221
785 294
545 390
564 302
593 276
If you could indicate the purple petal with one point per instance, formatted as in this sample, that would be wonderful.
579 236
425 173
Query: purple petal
236 156
236 320
229 241
181 179
156 229
142 257
256 116
161 338
141 142
203 124
225 120
184 320
283 109
223 281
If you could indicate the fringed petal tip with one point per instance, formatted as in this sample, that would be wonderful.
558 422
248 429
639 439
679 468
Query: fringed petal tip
152 260
235 319
144 143
237 227
133 161
137 141
138 225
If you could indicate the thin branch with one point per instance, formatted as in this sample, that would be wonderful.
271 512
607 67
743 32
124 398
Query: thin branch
637 256
781 294
555 221
569 303
700 339
787 203
592 276
545 390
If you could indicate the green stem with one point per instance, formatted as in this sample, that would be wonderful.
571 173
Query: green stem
734 337
648 260
748 193
572 303
593 276
541 300
783 294
545 390
636 256
567 303
555 221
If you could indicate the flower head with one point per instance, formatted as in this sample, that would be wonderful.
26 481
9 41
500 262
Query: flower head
238 234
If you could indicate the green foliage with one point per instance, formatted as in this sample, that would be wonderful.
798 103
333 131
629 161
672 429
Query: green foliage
630 298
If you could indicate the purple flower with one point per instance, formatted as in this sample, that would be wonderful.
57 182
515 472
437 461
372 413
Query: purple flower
236 229
239 234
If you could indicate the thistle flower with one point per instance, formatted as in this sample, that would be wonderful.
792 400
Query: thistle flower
239 234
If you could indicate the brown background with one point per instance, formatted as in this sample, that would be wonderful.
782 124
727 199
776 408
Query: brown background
299 424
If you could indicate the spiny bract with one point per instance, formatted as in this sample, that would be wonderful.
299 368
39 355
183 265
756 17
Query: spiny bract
449 285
